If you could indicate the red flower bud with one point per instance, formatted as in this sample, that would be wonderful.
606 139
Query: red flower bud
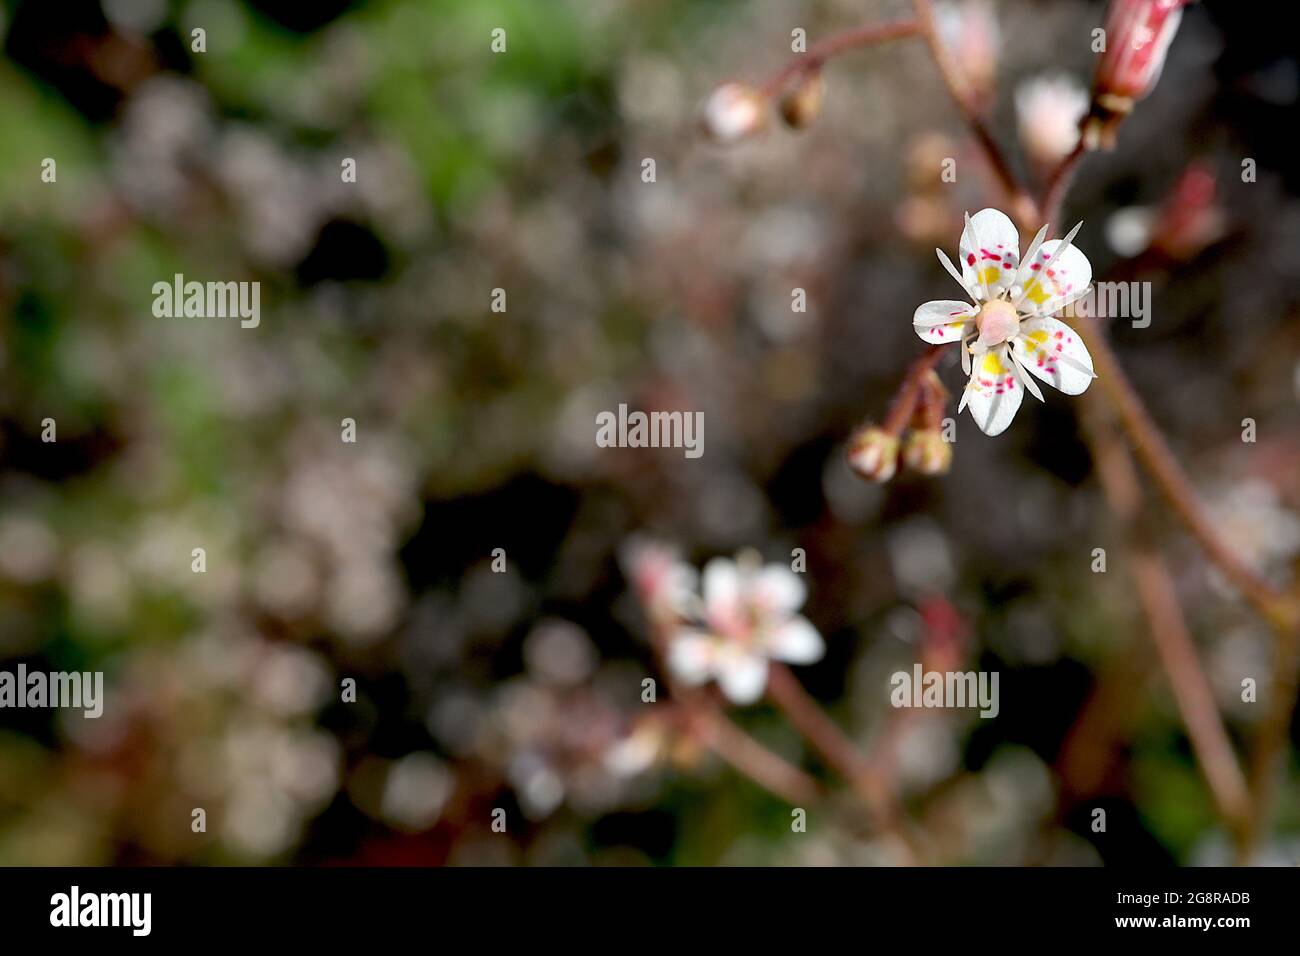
1138 34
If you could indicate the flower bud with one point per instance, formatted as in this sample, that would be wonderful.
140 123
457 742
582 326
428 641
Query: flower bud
926 452
1048 111
1138 34
733 112
1192 218
802 103
970 31
873 453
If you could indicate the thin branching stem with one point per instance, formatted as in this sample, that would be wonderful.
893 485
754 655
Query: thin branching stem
869 34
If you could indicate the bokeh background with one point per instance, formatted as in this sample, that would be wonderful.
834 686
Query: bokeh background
475 429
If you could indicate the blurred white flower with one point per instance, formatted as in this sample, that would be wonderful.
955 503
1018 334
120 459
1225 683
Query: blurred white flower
732 112
415 791
1012 318
970 30
748 619
664 584
1259 526
1048 111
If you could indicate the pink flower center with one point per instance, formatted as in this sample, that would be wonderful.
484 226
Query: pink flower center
997 322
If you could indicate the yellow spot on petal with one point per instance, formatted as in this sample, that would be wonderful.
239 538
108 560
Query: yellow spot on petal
990 275
992 365
1032 341
1034 290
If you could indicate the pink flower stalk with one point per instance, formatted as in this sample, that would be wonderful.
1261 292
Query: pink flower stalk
1138 34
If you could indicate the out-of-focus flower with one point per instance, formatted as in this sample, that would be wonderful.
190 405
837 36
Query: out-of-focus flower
559 652
733 112
1048 111
749 618
1138 34
644 746
802 103
664 584
873 453
1192 217
1258 525
28 548
969 28
415 791
1012 321
1190 220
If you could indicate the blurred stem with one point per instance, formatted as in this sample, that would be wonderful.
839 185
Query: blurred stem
1150 446
1269 750
836 44
1023 206
1159 600
1059 182
745 754
842 754
905 399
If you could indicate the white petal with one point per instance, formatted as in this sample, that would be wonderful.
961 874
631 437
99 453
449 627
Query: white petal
943 320
993 394
796 642
692 656
1048 287
742 677
990 251
1023 377
1052 351
777 588
722 587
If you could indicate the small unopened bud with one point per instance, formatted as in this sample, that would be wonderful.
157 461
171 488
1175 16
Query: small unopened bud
1192 218
1048 111
873 453
1138 34
926 452
802 103
970 31
732 112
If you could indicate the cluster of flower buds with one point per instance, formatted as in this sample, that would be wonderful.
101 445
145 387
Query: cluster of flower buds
1137 37
874 450
736 111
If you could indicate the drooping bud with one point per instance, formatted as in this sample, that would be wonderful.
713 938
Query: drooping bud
733 112
1048 111
1138 34
802 103
873 453
925 451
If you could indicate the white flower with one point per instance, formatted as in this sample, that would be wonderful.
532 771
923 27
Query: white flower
664 584
1048 111
1012 318
732 112
748 618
